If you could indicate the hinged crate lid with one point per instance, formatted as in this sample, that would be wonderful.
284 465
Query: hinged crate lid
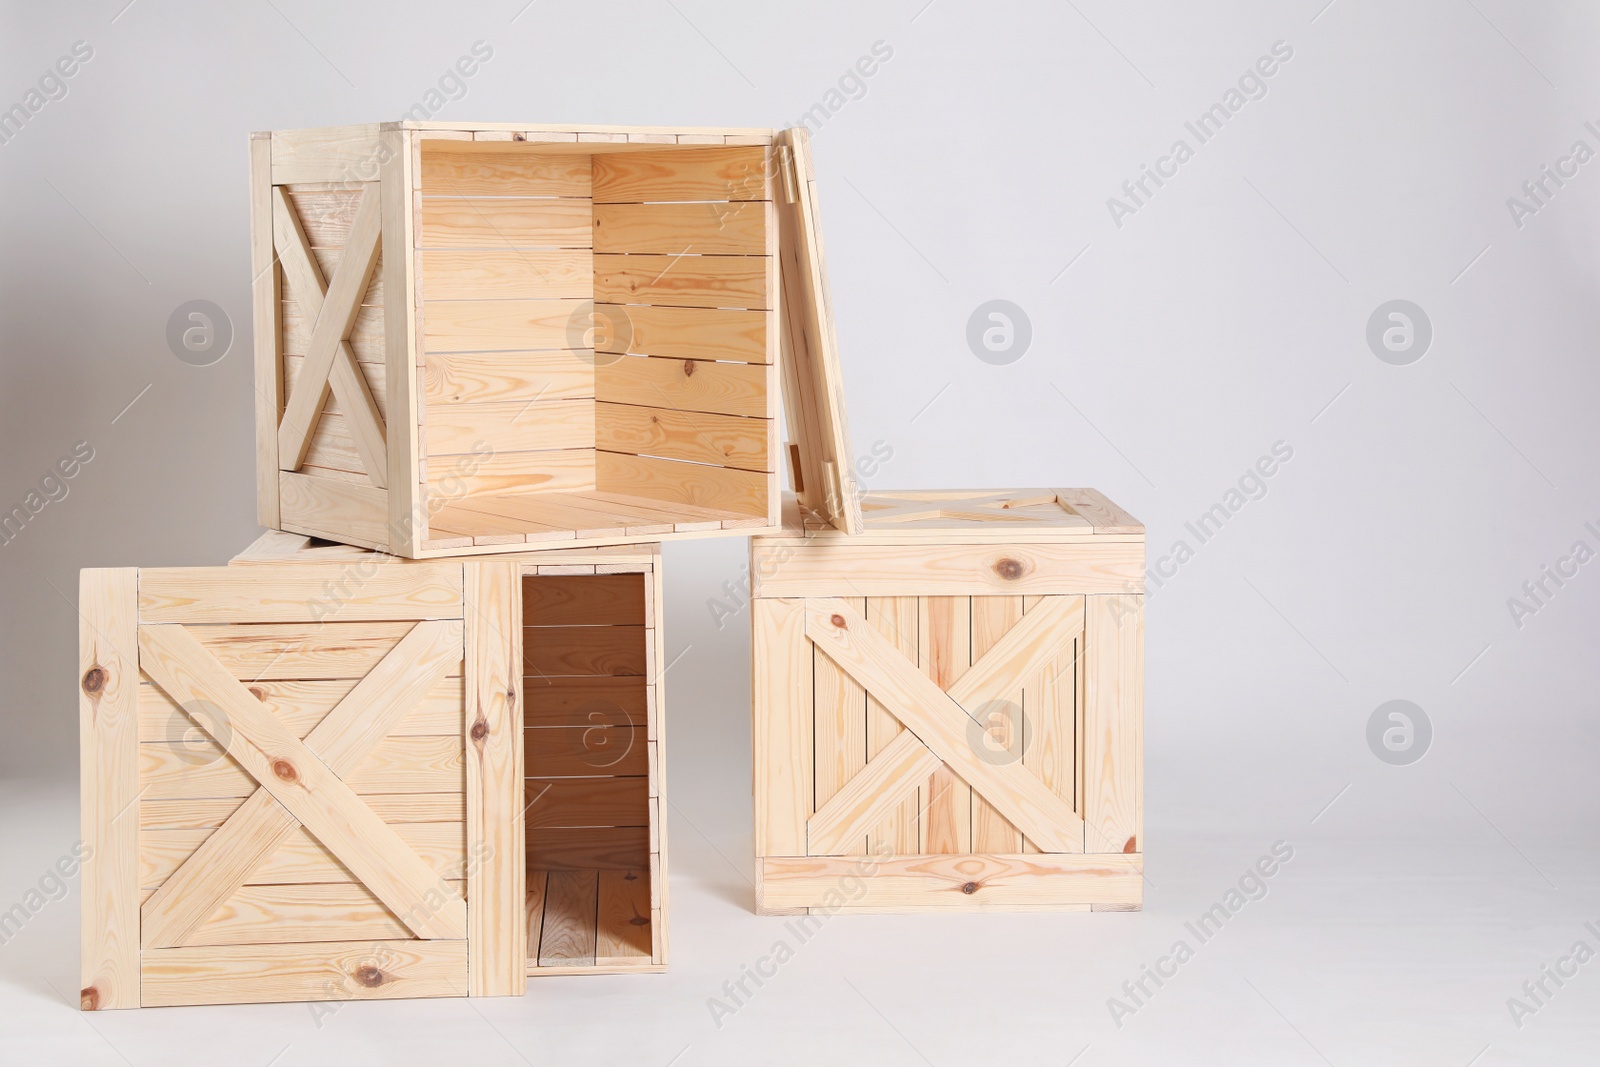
953 516
819 447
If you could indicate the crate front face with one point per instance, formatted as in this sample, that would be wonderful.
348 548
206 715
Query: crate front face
595 872
955 751
596 328
286 794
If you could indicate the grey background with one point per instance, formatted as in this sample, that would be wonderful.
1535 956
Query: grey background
1167 356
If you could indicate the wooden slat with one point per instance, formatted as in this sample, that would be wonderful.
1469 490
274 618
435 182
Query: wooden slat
406 516
940 722
450 169
1113 710
266 295
681 281
967 882
482 377
577 802
300 858
603 600
317 798
622 922
1050 699
377 380
330 970
1001 714
695 436
108 729
350 737
327 211
327 508
294 914
366 333
589 848
194 770
896 619
780 683
494 755
301 705
467 222
516 275
1095 506
944 634
839 709
681 175
554 651
550 470
685 385
571 701
569 913
479 325
510 426
689 333
392 808
946 569
300 650
719 488
702 229
329 154
307 593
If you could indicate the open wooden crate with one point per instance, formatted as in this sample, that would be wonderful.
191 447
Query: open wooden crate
323 773
948 708
473 338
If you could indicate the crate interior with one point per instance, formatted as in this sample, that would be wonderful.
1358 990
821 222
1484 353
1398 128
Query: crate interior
588 758
597 339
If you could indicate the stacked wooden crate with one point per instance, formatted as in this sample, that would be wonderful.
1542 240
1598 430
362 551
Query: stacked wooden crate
412 741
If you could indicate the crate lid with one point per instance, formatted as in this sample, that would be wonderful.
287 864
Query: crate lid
933 516
820 460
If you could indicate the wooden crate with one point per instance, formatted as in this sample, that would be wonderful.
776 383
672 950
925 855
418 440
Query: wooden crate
477 338
948 707
310 775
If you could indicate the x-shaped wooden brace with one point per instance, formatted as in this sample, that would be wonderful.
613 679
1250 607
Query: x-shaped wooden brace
937 724
332 308
301 783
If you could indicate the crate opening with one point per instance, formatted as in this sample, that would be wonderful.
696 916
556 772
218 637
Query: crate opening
588 759
597 334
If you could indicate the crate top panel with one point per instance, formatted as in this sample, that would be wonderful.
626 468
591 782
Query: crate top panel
954 516
276 546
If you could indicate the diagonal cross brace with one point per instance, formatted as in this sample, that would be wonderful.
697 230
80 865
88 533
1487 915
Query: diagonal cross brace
332 307
937 721
297 780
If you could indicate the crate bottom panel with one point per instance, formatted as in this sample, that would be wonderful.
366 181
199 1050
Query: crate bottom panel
590 922
1032 882
556 518
329 970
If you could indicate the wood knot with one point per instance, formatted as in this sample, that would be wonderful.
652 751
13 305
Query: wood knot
519 137
259 693
369 976
89 999
688 368
969 888
94 680
285 770
1009 569
480 730
1132 845
838 620
639 920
